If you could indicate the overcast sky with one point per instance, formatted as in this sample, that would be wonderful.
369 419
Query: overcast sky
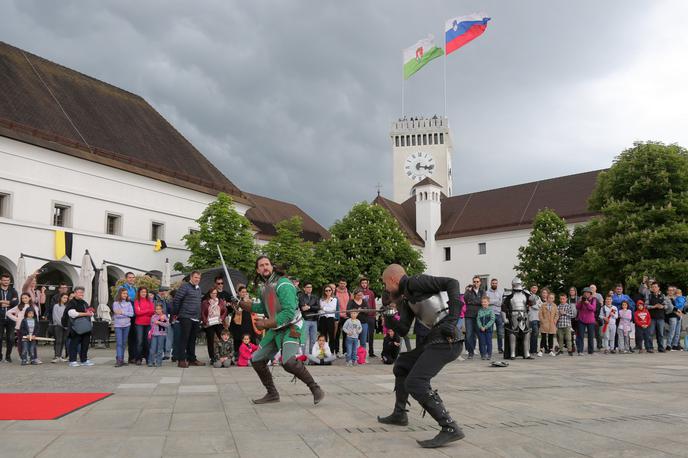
294 100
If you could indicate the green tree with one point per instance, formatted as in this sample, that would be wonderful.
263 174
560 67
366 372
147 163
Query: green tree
288 249
545 259
365 242
643 203
220 224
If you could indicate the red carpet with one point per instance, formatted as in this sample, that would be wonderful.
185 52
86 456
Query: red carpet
44 406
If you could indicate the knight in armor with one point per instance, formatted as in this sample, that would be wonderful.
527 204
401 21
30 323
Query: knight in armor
282 323
516 323
419 297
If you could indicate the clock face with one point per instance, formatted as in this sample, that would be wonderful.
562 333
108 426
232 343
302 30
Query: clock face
419 166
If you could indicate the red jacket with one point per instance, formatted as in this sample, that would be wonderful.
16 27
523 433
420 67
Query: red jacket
143 310
205 306
642 318
245 353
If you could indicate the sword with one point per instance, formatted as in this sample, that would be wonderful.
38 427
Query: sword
39 339
229 279
321 313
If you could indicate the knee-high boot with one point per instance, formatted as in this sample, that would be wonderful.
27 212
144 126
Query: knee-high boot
298 370
450 432
398 416
261 368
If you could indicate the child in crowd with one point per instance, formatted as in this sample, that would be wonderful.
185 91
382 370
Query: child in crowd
16 314
549 316
642 322
59 332
564 324
246 350
608 315
158 332
390 347
625 324
485 319
123 312
27 338
352 328
224 349
321 354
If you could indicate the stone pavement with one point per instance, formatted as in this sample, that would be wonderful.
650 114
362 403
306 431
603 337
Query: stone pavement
600 405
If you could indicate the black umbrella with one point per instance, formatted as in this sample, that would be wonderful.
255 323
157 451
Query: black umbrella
208 279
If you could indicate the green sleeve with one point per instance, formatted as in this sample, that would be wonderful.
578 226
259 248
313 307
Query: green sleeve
286 293
492 320
258 307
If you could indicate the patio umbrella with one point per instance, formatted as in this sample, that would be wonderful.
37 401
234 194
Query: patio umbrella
166 273
86 277
103 295
208 278
21 274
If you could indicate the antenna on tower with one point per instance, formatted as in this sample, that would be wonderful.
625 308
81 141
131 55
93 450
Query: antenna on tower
379 188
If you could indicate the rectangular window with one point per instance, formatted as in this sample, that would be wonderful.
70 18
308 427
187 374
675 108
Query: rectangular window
435 139
484 281
482 248
403 143
62 215
425 139
157 231
4 205
113 224
441 139
408 140
413 140
447 253
396 140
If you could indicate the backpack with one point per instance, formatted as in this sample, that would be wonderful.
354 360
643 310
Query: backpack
361 355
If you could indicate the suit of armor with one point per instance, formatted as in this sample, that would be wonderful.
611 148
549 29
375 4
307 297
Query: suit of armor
516 324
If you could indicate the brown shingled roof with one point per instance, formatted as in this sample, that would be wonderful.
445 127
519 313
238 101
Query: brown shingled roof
267 212
425 181
52 106
405 214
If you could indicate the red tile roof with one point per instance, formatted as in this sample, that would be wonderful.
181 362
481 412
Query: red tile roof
267 212
405 214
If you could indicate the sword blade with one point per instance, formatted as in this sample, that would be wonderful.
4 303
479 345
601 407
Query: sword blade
229 279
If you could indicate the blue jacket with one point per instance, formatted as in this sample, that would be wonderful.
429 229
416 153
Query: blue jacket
187 302
617 299
680 302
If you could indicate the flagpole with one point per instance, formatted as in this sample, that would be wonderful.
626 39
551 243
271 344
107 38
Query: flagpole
402 88
445 81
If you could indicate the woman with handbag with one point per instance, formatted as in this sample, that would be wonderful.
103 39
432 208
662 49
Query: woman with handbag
213 313
78 314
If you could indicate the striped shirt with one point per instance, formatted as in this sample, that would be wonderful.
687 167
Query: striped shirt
565 314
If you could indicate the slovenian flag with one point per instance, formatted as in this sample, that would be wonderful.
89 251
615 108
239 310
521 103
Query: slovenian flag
418 55
459 31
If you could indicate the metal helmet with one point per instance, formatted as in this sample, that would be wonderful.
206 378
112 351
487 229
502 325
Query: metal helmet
516 284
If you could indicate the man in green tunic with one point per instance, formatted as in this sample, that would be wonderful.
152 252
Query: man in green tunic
282 325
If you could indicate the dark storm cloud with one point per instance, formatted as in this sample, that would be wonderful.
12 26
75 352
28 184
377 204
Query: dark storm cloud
294 100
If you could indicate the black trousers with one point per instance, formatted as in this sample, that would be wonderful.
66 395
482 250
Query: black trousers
74 341
210 333
335 347
187 342
414 369
371 334
7 334
326 326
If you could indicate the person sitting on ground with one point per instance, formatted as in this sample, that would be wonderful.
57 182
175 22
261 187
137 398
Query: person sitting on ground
246 350
321 355
224 349
485 320
391 345
27 338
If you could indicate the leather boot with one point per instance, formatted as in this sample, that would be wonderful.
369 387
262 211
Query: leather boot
299 370
261 368
450 431
399 416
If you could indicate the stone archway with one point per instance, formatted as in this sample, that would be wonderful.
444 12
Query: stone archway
54 272
7 266
114 274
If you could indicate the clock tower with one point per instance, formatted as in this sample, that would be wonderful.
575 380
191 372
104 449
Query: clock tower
421 148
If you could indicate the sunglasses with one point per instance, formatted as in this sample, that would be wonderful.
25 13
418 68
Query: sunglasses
219 283
328 290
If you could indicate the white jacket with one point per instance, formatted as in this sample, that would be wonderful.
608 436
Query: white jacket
315 352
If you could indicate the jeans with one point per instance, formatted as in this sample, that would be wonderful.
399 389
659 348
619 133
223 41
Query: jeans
363 336
624 339
310 329
471 334
7 334
534 331
28 350
76 341
674 332
121 338
187 340
157 347
351 349
59 333
642 337
657 330
499 325
142 341
485 342
582 328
